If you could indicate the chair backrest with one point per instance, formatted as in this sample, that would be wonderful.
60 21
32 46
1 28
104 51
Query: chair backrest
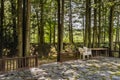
85 48
81 50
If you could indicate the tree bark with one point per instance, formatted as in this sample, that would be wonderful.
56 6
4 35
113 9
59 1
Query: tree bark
41 29
54 31
87 39
59 32
70 24
19 32
87 23
99 27
19 29
95 26
111 29
15 37
62 25
89 26
2 64
1 27
28 11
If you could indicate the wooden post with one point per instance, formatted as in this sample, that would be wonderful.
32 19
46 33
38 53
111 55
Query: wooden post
3 64
36 60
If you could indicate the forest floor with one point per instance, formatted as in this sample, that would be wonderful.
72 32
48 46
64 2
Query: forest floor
102 68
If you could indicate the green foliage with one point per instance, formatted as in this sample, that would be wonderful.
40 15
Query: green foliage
70 48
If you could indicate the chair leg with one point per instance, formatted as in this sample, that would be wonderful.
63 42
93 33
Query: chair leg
88 56
91 56
83 57
80 56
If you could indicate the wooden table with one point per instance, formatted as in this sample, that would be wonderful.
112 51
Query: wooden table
97 51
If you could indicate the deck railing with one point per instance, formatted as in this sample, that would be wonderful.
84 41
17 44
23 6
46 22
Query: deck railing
17 63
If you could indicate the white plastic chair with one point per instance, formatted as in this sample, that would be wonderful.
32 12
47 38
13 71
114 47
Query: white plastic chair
85 52
88 51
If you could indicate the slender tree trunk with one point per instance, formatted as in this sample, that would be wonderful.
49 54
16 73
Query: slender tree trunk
89 27
95 27
105 28
62 24
28 11
38 24
19 29
87 24
2 64
50 36
1 27
41 29
41 25
15 37
83 28
26 26
70 24
99 27
54 31
117 34
59 32
111 29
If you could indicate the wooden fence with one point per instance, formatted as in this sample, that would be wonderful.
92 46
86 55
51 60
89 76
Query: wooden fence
17 63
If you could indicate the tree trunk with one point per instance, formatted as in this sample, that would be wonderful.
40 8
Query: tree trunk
83 27
117 33
41 25
19 29
99 27
70 24
89 26
111 29
15 37
28 11
54 31
26 26
38 24
41 30
95 26
59 32
50 36
62 25
105 28
1 27
2 64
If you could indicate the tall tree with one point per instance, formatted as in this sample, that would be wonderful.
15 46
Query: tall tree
26 25
1 26
59 32
70 23
95 26
89 27
87 39
41 28
19 29
111 15
1 33
15 37
27 34
41 22
54 27
62 24
99 27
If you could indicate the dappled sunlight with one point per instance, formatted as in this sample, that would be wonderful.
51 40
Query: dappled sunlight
102 68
